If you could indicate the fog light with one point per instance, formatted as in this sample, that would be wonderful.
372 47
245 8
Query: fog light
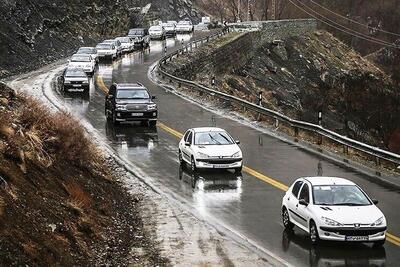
154 114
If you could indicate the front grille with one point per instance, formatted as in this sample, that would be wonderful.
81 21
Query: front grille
354 231
220 160
136 107
76 82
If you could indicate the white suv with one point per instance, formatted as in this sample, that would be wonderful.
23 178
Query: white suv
210 148
334 209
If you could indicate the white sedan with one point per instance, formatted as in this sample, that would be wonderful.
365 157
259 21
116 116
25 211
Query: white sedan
210 148
84 62
333 209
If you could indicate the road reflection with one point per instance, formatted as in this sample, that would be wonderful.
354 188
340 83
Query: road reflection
132 136
334 253
220 181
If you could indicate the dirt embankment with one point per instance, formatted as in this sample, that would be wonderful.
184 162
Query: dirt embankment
300 76
59 202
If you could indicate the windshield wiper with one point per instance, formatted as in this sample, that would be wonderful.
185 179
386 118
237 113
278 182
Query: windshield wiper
229 141
349 204
215 140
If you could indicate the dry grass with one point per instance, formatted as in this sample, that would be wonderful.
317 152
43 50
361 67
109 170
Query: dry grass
2 206
78 200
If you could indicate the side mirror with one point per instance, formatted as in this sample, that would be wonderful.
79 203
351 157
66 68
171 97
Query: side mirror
303 202
153 97
375 201
237 142
187 144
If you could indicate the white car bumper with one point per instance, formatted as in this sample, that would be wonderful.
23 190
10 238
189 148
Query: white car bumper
362 234
203 164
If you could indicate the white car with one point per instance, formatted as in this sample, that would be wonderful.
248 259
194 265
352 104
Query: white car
117 45
84 62
335 209
169 29
157 32
127 44
210 148
89 51
184 26
107 51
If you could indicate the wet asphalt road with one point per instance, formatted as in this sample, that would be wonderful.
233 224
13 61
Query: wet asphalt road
243 202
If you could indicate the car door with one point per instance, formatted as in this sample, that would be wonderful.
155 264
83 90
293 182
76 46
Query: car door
292 201
187 150
303 211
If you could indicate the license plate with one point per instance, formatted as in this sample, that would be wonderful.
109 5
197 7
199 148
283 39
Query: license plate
357 238
136 114
220 165
76 85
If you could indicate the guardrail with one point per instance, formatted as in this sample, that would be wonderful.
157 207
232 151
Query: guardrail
296 125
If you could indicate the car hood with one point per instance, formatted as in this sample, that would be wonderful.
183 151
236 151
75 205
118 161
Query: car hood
218 150
350 214
133 101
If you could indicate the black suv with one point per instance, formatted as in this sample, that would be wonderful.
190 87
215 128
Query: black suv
140 36
130 102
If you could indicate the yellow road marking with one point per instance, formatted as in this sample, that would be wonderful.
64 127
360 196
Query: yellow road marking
389 237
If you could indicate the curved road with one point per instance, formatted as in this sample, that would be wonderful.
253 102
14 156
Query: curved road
248 203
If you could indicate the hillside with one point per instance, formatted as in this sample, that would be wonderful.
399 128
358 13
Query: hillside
300 76
60 205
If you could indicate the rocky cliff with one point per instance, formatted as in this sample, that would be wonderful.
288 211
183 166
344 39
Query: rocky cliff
300 75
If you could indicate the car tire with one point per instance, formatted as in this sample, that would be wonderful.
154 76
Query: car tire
193 167
180 158
380 243
314 237
238 170
287 224
114 119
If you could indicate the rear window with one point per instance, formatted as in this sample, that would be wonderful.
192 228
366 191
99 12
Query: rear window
123 39
87 51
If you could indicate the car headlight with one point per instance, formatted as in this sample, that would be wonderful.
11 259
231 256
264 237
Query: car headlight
120 107
151 106
330 222
85 82
237 155
67 82
378 222
203 156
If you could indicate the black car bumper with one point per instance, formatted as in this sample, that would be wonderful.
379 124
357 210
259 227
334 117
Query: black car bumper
76 87
136 115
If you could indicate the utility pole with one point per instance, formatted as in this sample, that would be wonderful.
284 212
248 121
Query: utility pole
273 7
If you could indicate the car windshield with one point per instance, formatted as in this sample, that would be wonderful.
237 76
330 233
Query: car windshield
136 32
168 25
123 39
74 73
155 28
133 94
103 46
339 195
184 22
212 138
80 59
86 51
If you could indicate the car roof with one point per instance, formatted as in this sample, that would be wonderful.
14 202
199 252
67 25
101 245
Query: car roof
324 180
122 86
207 129
86 47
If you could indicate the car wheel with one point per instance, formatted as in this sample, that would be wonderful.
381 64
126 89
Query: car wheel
152 123
286 220
380 243
180 158
193 165
114 119
238 170
314 237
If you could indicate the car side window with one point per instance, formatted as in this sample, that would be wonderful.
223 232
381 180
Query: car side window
185 138
305 193
296 188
